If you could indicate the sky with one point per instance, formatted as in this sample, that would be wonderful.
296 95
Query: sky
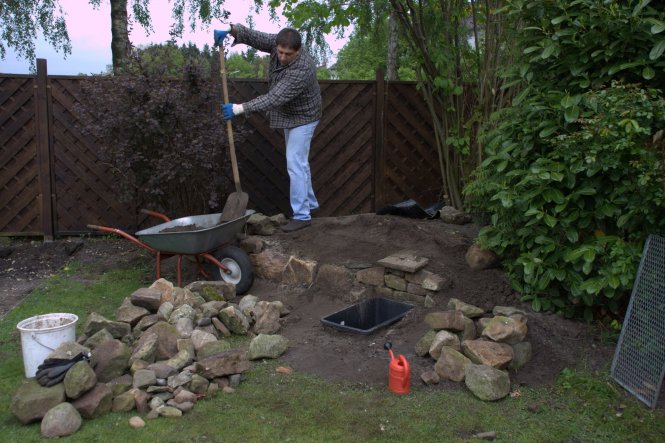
90 34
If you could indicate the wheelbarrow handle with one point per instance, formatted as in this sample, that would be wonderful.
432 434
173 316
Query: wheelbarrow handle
155 214
122 233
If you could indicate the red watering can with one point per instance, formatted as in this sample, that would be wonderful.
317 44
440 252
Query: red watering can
399 374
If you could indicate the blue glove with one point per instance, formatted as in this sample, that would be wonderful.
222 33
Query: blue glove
227 110
220 35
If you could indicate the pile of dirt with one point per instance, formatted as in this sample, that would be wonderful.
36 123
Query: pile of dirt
353 241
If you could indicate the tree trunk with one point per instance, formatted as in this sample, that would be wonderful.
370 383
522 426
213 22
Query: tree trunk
120 45
391 63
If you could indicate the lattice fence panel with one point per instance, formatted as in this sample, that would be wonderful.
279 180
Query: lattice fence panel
19 182
411 165
83 184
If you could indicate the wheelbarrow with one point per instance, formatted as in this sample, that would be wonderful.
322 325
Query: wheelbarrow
200 236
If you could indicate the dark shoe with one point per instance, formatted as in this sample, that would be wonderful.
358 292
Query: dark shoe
294 225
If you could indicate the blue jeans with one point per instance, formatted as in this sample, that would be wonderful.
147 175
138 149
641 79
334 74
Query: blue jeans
298 141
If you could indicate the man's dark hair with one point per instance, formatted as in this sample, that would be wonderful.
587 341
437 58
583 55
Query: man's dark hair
289 38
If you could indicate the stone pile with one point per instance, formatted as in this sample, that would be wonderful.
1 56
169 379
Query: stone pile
471 347
401 276
165 351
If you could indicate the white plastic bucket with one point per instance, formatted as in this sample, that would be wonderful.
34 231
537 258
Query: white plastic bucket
41 335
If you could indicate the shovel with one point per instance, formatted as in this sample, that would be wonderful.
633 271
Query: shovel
236 203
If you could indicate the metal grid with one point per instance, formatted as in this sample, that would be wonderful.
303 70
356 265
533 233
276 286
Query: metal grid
639 359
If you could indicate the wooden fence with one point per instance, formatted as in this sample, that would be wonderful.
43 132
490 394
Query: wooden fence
374 146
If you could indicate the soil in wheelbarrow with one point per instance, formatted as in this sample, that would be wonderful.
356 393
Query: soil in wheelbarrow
352 241
183 228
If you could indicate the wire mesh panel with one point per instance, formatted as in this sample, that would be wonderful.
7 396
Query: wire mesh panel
639 359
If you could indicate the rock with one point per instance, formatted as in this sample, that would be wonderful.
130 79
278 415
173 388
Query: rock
371 276
68 349
252 245
95 323
163 370
124 402
217 323
180 360
394 282
451 364
185 395
98 338
441 339
180 379
156 402
199 384
407 261
60 421
79 379
200 338
269 264
234 320
95 403
146 348
184 326
213 290
247 303
299 271
144 378
165 310
479 259
449 320
487 383
430 377
182 311
230 362
166 341
496 355
148 298
507 311
429 301
165 287
468 310
260 224
521 355
111 360
182 296
128 313
169 411
136 422
469 332
212 348
32 401
489 435
505 330
423 345
267 346
267 318
184 406
452 215
120 384
186 344
147 322
415 289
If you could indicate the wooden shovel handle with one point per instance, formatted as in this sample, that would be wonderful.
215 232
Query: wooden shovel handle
229 127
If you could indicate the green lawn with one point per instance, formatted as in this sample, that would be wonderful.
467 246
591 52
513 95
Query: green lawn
270 406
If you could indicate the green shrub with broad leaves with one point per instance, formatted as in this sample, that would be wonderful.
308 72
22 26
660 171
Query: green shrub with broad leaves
574 178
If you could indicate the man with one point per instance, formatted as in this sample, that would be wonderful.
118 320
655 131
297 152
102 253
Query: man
293 103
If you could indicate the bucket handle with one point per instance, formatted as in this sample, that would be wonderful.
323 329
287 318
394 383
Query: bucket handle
34 337
407 370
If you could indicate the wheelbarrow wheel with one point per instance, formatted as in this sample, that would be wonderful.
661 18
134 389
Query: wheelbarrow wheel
237 262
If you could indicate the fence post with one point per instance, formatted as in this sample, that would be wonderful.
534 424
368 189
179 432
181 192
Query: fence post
44 149
379 154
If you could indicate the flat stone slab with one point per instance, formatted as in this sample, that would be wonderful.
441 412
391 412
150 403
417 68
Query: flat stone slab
407 261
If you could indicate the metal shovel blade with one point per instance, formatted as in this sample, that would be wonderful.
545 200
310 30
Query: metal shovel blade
235 206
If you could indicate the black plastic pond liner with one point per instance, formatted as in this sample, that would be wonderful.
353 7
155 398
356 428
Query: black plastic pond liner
411 209
367 316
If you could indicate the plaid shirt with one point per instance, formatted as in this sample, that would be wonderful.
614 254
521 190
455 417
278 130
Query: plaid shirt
294 97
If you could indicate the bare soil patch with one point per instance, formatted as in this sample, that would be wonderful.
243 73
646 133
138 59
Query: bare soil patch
353 241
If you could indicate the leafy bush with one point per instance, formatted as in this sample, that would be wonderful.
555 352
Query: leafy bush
163 138
574 179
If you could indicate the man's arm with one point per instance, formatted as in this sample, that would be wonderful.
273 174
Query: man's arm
258 40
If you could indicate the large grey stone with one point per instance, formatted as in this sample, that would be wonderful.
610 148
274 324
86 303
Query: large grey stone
79 379
441 339
181 359
269 264
299 271
212 348
505 330
267 346
129 313
146 348
479 259
60 421
496 355
425 342
452 215
32 401
98 338
165 310
96 402
468 310
487 383
148 298
200 338
213 290
182 311
449 320
267 317
230 362
451 364
407 261
371 276
234 320
144 378
167 340
96 322
124 402
111 360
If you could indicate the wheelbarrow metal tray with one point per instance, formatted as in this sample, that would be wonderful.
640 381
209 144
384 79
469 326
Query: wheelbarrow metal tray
367 316
209 235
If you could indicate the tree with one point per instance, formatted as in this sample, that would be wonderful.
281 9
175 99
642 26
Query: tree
21 19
